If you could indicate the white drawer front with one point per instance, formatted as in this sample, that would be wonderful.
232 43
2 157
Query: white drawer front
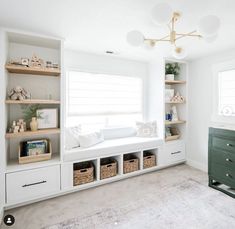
31 184
175 152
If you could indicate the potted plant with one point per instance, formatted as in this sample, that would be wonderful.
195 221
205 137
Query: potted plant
172 71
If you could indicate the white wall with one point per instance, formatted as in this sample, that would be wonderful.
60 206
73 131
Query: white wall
106 64
200 105
2 118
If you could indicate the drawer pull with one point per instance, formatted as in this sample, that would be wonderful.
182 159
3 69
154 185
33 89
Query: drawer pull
228 144
36 183
176 152
227 159
227 175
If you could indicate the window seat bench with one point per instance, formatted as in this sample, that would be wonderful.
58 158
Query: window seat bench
111 147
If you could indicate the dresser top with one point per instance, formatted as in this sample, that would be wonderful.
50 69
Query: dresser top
223 126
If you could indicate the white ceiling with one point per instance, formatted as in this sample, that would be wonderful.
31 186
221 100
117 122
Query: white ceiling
99 25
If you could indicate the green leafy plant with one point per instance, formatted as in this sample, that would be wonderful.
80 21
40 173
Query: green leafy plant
30 111
172 68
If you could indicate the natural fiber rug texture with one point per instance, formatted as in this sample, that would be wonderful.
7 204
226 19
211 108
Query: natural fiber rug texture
185 204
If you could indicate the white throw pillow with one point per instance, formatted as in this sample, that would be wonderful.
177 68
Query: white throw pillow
91 139
146 129
72 137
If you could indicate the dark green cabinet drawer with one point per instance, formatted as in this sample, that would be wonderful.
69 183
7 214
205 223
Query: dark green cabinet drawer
225 144
226 159
223 174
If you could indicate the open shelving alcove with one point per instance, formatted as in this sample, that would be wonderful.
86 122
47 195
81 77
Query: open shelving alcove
179 84
46 95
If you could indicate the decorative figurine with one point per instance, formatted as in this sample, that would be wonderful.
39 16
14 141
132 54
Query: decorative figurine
36 62
174 113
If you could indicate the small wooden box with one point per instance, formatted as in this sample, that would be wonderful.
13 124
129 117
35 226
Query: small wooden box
108 168
35 158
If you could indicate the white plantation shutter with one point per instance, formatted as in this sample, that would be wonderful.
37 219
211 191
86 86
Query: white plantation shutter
104 97
227 93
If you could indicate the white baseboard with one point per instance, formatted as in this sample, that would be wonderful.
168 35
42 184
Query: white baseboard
197 165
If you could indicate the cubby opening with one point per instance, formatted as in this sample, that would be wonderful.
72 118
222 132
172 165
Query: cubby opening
84 172
110 167
131 162
150 158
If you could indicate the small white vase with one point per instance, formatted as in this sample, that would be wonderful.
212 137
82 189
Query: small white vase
34 124
170 76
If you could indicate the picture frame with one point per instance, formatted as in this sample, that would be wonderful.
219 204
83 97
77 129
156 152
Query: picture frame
47 118
169 94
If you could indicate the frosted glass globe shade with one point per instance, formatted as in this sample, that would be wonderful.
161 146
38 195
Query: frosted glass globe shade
135 38
209 25
162 13
210 39
179 53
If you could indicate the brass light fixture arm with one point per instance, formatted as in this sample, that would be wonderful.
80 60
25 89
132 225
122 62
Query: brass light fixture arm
173 35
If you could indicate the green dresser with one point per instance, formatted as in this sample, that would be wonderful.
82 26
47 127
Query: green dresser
221 160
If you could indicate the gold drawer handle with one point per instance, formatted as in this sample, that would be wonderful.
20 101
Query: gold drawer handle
227 175
227 159
228 144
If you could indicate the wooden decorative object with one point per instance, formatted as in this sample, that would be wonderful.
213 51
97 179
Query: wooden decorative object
108 168
130 164
149 160
83 173
36 62
35 158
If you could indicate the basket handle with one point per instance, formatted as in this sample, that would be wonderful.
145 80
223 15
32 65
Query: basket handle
109 165
148 157
83 170
131 160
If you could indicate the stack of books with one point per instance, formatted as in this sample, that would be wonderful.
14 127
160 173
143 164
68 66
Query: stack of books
34 147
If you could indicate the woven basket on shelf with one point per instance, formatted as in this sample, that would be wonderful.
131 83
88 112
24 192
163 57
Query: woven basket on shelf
130 163
149 160
108 168
83 173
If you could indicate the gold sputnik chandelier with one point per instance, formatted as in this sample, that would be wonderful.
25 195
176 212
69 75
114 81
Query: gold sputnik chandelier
163 14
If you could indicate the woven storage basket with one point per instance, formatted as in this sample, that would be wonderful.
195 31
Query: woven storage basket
108 168
130 164
149 160
83 173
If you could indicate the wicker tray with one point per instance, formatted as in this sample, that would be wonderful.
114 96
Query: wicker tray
35 158
83 173
108 168
149 160
130 163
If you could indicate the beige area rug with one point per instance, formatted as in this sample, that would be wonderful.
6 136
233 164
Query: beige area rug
186 204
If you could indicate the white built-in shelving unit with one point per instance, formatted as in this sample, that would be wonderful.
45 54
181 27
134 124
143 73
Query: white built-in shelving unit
27 183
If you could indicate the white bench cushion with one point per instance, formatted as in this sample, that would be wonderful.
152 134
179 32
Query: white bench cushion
111 147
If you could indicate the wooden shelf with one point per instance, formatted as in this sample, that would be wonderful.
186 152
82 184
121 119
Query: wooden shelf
14 166
32 71
32 133
174 122
172 138
171 102
175 81
32 101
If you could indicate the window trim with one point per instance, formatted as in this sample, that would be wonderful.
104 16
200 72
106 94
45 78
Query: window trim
144 91
217 68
